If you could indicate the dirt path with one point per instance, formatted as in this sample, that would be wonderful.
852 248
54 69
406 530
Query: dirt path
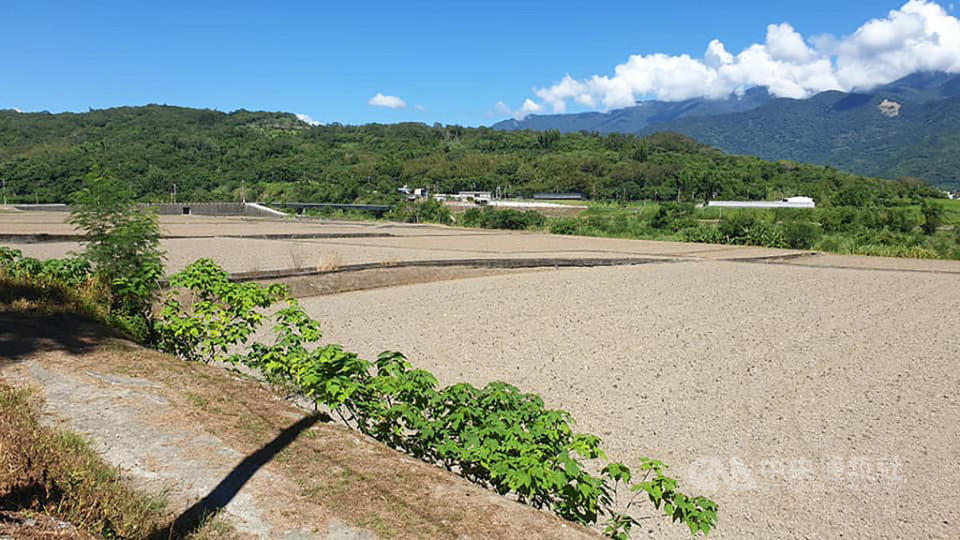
212 439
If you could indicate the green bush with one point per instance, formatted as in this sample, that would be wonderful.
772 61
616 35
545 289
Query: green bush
564 226
673 216
221 313
69 272
503 218
495 436
801 235
121 240
766 235
735 229
703 234
932 217
428 211
901 219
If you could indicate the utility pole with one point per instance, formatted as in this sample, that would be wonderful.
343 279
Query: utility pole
173 197
243 195
4 180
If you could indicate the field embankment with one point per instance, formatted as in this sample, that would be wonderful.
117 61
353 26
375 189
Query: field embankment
212 439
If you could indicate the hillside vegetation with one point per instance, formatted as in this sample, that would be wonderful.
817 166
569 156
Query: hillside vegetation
213 156
849 131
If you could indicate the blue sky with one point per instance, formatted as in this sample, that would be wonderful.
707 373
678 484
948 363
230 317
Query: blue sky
328 59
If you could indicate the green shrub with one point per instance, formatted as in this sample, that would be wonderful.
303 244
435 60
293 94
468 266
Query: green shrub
901 219
766 235
932 217
121 240
503 218
495 436
564 226
801 235
703 234
221 313
735 229
428 211
673 216
69 272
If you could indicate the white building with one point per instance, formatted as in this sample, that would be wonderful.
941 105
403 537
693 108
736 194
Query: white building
790 202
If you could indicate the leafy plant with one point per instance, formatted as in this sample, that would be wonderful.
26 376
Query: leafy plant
121 241
932 216
503 218
495 436
221 313
673 216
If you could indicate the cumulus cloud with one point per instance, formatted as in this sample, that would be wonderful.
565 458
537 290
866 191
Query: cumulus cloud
390 102
920 36
420 108
305 118
528 107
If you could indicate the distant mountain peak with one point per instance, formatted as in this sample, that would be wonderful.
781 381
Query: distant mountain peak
847 130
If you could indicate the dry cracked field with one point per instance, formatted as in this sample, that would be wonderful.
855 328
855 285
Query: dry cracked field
813 396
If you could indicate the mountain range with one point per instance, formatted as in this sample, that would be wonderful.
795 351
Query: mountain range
908 128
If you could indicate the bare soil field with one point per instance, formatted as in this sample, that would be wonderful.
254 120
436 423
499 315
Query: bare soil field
813 396
810 402
222 240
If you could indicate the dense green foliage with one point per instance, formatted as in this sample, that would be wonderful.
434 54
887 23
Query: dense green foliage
70 271
218 315
898 231
502 218
495 436
211 155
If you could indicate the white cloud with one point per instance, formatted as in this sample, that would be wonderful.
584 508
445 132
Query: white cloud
920 36
420 108
390 102
17 110
529 107
305 118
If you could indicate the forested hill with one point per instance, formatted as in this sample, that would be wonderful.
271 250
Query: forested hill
209 155
910 127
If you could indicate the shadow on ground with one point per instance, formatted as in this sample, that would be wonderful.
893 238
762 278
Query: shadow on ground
25 334
206 508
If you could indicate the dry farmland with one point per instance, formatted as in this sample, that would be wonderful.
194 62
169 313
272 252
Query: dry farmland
811 395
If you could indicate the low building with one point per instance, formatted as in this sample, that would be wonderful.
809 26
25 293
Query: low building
789 202
475 195
560 196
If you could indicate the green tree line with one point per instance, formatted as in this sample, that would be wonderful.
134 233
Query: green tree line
215 156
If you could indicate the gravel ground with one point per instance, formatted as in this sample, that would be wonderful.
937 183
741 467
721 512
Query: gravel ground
809 402
411 243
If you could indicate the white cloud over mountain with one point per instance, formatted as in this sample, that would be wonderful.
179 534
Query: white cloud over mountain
920 36
390 102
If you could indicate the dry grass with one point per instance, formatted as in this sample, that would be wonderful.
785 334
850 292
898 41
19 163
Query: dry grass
330 261
48 475
29 296
55 472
